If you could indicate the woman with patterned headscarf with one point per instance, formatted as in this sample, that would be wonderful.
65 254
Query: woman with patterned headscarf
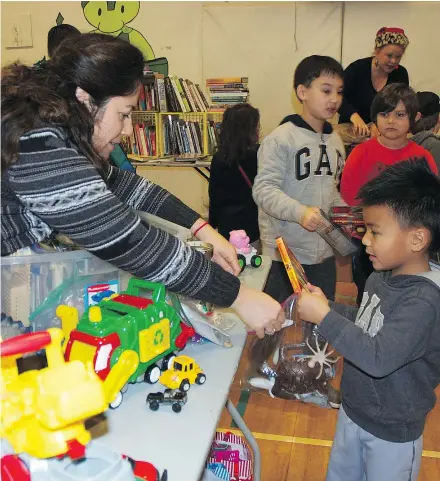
365 77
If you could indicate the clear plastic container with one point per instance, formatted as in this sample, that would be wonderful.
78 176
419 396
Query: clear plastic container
34 285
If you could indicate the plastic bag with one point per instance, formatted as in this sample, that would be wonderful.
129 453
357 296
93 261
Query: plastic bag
294 363
335 236
231 457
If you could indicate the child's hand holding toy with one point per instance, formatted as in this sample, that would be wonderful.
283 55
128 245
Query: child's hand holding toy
313 305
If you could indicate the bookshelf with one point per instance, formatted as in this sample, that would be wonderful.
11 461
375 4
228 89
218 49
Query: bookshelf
143 143
173 121
177 135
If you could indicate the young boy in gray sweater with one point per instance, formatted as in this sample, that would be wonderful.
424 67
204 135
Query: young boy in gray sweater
298 167
391 344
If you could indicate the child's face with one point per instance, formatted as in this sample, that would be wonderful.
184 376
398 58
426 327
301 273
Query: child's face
323 98
389 246
393 125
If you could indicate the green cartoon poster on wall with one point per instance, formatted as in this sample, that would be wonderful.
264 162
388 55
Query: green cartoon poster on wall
112 18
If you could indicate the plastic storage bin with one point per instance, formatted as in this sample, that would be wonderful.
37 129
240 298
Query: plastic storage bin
34 285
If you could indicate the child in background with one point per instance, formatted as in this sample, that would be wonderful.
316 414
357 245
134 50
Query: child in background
394 111
427 125
233 170
391 344
298 165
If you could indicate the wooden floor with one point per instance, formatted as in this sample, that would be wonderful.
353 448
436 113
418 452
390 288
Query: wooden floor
295 438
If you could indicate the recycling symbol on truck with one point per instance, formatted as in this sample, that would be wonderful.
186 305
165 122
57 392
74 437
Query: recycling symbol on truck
158 338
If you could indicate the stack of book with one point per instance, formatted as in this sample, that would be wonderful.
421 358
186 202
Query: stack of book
182 138
227 91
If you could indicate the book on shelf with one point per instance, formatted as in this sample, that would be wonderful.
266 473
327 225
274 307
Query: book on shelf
227 91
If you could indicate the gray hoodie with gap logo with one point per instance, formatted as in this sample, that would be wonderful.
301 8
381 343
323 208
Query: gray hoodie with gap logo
297 168
391 349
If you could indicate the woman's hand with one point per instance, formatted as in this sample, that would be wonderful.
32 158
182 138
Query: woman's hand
259 311
313 306
374 132
311 219
224 254
359 126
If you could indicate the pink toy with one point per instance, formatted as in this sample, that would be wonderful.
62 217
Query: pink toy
246 254
240 240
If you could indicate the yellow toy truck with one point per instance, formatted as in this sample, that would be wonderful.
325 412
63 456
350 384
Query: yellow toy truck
183 372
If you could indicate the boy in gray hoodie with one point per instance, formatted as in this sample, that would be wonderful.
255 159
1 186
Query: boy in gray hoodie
391 344
299 165
426 128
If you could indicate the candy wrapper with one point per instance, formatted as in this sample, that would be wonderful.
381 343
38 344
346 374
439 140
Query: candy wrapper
350 219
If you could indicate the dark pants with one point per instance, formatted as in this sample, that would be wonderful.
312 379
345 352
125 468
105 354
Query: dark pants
322 275
362 268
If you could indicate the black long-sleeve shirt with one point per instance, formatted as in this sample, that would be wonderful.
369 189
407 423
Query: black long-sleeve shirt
359 91
231 205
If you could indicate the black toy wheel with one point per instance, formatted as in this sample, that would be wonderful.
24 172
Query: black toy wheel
256 261
241 261
167 361
184 385
200 379
176 407
154 405
152 374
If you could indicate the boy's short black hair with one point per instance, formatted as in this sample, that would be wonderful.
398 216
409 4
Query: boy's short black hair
58 34
412 191
429 108
387 99
313 67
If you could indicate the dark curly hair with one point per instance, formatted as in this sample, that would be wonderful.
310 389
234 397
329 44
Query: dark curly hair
239 132
42 96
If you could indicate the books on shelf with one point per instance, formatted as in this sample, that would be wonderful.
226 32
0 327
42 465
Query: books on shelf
142 142
181 137
170 94
213 135
227 91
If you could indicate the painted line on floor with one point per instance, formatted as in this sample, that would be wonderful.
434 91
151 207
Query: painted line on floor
242 404
308 441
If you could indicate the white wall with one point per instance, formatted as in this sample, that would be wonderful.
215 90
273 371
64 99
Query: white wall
421 22
261 40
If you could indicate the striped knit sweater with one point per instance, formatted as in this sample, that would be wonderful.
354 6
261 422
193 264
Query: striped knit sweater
53 188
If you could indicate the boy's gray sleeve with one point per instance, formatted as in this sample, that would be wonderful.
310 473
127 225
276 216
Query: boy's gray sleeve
403 338
267 191
344 310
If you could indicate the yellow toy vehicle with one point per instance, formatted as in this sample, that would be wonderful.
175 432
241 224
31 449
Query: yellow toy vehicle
182 373
43 411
